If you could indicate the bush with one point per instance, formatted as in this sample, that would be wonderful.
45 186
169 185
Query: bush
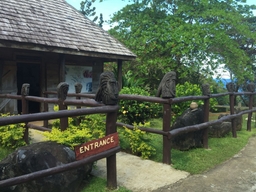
137 141
132 111
94 127
11 136
91 127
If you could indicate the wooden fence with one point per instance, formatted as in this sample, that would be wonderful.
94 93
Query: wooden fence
167 103
95 108
111 111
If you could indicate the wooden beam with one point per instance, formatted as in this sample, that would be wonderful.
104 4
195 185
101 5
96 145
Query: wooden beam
62 68
119 69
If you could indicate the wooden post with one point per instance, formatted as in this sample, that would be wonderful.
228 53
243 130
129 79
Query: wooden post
166 128
62 91
62 68
206 119
250 88
232 111
250 114
206 91
167 90
46 123
119 69
111 160
78 89
24 102
231 88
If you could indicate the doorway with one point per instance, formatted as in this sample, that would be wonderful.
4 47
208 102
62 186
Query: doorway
29 73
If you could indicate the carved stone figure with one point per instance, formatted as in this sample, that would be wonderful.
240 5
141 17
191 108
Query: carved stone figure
206 89
78 87
62 90
231 87
108 89
25 89
40 156
167 87
251 87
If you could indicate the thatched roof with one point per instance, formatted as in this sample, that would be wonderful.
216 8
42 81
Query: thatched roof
54 25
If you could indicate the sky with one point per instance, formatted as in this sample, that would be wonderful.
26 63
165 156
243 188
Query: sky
107 8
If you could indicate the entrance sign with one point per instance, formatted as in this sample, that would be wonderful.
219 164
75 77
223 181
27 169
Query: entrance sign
96 146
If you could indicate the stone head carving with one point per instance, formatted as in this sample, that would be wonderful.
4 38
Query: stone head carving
167 87
251 87
206 89
62 90
108 89
25 89
78 87
231 87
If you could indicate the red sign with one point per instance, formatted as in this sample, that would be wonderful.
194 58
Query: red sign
96 146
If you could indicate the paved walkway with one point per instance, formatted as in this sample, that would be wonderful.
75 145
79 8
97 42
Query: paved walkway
140 175
133 172
235 175
238 174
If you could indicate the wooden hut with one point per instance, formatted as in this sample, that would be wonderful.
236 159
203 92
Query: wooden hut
44 43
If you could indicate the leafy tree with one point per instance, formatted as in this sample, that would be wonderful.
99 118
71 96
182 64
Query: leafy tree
191 37
89 11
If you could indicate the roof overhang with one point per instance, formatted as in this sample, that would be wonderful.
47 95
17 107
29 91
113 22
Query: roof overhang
60 50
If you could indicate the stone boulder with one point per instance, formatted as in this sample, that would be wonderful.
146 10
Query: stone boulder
191 116
220 130
39 156
238 120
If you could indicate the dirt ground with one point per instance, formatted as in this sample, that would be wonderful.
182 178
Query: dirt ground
236 175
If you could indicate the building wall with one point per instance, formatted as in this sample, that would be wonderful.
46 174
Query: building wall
50 72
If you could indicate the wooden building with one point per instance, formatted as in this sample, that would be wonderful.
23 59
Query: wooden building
45 42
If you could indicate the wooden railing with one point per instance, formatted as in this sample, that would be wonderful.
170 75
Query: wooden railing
166 131
95 107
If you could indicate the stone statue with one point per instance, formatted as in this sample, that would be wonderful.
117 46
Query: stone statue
167 87
62 90
108 89
251 87
206 89
25 89
78 87
231 87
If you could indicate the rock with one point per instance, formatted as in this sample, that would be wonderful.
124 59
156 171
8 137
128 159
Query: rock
220 130
188 140
193 105
39 156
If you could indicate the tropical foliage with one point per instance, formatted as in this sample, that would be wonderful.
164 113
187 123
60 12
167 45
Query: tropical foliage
192 38
11 136
139 112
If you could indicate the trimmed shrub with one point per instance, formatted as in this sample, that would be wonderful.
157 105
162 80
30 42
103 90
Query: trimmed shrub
11 136
132 111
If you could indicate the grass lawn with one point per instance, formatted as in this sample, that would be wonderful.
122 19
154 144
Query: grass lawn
193 161
200 160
